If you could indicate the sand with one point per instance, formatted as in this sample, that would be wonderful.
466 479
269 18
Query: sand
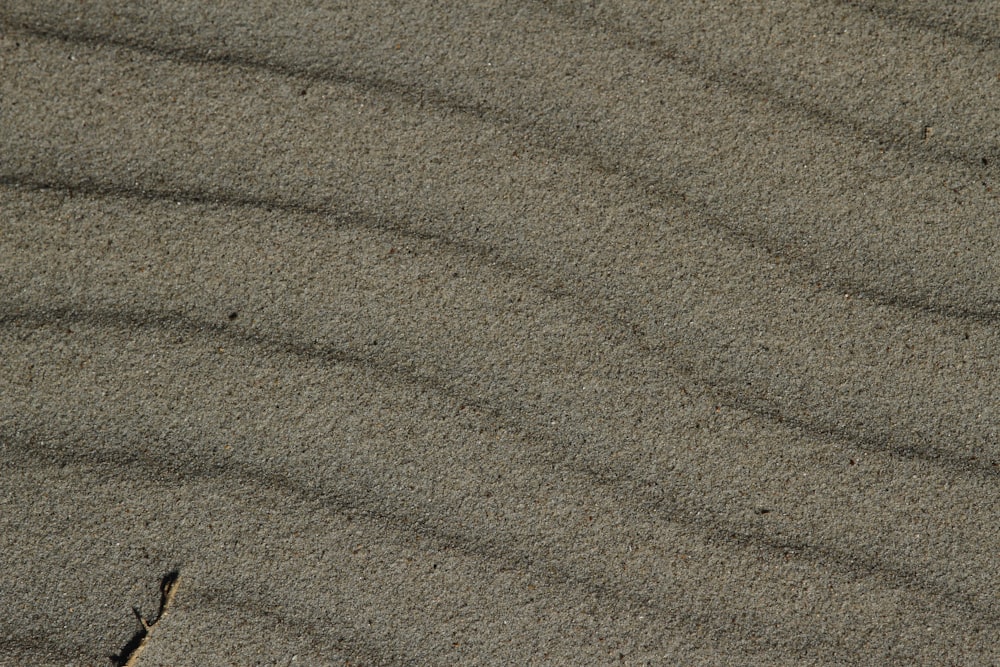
514 333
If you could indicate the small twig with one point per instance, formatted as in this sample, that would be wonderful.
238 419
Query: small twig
146 625
129 656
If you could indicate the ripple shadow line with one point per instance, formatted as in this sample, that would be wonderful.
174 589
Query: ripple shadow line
36 444
894 13
554 138
355 642
742 85
491 260
332 217
643 496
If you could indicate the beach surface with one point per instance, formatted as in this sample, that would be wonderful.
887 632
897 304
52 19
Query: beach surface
542 333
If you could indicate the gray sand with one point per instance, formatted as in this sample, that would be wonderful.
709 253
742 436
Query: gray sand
534 333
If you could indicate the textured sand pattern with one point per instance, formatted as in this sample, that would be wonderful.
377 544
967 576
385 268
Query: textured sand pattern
513 333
